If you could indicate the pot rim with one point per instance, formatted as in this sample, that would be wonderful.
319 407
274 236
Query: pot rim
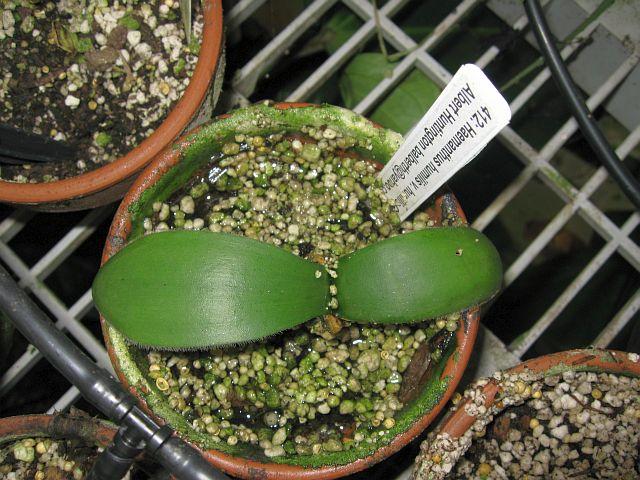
55 426
247 468
136 159
592 359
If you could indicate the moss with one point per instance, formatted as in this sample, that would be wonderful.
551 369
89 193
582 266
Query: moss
560 181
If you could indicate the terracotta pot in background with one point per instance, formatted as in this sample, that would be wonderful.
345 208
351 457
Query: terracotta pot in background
447 441
109 182
57 427
63 427
163 177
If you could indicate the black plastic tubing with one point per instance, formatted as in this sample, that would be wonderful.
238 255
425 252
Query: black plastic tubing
101 389
620 173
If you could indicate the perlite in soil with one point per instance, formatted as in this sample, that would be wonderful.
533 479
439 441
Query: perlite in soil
45 459
98 75
329 385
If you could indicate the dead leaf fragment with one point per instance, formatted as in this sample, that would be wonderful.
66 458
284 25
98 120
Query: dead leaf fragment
102 60
333 323
413 375
501 427
525 421
54 473
117 37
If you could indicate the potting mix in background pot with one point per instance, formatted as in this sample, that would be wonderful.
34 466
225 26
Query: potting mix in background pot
117 82
51 446
573 414
327 398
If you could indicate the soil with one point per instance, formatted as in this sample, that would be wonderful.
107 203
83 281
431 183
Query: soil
583 426
54 459
100 80
328 385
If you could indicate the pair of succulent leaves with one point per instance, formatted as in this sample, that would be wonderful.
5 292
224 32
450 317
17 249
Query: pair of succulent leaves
187 290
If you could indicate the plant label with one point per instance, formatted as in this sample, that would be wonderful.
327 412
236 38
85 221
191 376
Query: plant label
464 118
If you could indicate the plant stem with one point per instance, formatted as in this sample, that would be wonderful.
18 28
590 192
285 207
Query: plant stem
538 62
587 21
376 18
383 48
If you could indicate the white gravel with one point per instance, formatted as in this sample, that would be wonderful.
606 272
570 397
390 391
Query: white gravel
583 426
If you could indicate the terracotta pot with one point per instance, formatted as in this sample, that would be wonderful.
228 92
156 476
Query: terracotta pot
57 427
498 396
165 175
109 182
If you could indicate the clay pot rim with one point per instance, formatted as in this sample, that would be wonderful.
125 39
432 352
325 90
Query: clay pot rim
458 421
136 159
24 426
247 468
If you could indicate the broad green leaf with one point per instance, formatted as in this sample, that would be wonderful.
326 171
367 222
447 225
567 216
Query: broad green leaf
339 28
419 275
188 290
403 107
363 73
409 101
335 31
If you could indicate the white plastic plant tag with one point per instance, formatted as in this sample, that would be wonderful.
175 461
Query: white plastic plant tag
464 118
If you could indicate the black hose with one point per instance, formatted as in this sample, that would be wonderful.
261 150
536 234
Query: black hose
105 393
620 173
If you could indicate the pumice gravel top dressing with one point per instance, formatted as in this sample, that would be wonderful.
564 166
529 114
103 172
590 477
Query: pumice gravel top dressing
329 391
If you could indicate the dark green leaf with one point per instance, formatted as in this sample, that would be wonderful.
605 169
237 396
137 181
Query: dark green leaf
419 275
339 28
407 103
363 73
186 290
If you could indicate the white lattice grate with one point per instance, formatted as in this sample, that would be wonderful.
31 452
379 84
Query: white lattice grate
532 164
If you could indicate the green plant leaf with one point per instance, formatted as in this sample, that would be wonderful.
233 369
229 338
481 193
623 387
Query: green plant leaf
361 74
339 28
63 37
188 290
82 44
130 22
407 103
419 275
401 110
185 12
